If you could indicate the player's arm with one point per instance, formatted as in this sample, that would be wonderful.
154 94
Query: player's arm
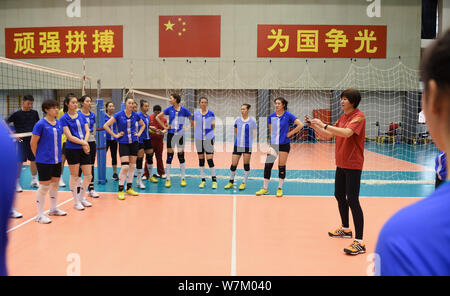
88 133
158 119
299 124
34 143
73 139
107 127
141 130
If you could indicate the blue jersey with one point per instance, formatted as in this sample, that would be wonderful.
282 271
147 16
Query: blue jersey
90 119
8 174
49 148
441 166
127 125
244 135
177 119
280 127
146 133
203 125
76 127
114 128
416 240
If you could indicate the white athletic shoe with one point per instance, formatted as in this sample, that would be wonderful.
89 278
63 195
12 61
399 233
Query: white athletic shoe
34 183
43 219
78 206
93 194
18 188
61 183
14 214
140 185
85 203
57 212
144 178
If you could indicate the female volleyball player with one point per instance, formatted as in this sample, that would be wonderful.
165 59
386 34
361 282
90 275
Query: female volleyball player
111 142
127 137
76 129
8 177
350 133
86 103
178 116
145 145
244 131
279 123
416 240
204 124
46 146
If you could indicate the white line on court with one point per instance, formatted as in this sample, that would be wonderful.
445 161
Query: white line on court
233 239
32 219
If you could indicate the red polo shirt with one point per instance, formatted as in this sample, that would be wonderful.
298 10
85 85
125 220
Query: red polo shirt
155 123
350 151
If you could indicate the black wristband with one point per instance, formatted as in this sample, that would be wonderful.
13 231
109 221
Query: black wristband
325 127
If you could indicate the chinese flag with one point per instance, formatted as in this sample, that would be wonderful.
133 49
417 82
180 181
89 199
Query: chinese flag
189 36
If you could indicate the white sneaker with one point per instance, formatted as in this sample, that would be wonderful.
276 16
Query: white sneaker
144 177
14 214
61 183
93 194
34 183
78 206
85 203
18 188
43 219
140 185
57 212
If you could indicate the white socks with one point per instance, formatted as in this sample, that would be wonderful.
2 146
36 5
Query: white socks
131 173
266 183
53 192
123 174
183 170
40 198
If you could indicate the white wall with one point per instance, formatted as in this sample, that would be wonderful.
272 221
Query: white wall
239 21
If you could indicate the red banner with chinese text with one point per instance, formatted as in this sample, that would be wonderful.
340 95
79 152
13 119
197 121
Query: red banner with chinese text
322 41
64 42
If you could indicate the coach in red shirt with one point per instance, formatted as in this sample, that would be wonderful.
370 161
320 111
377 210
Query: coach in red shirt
157 141
350 133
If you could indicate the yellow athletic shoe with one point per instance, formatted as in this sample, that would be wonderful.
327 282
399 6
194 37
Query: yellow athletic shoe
279 192
202 184
262 191
121 195
168 184
242 186
132 192
153 179
183 183
214 185
229 185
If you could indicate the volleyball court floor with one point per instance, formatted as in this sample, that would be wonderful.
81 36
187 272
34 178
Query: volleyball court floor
192 231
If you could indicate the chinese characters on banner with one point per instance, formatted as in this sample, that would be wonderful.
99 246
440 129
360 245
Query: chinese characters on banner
64 42
322 41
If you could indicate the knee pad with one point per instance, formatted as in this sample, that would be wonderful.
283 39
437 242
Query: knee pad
201 162
233 168
149 158
125 164
282 172
210 163
181 157
246 167
139 162
268 170
169 158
